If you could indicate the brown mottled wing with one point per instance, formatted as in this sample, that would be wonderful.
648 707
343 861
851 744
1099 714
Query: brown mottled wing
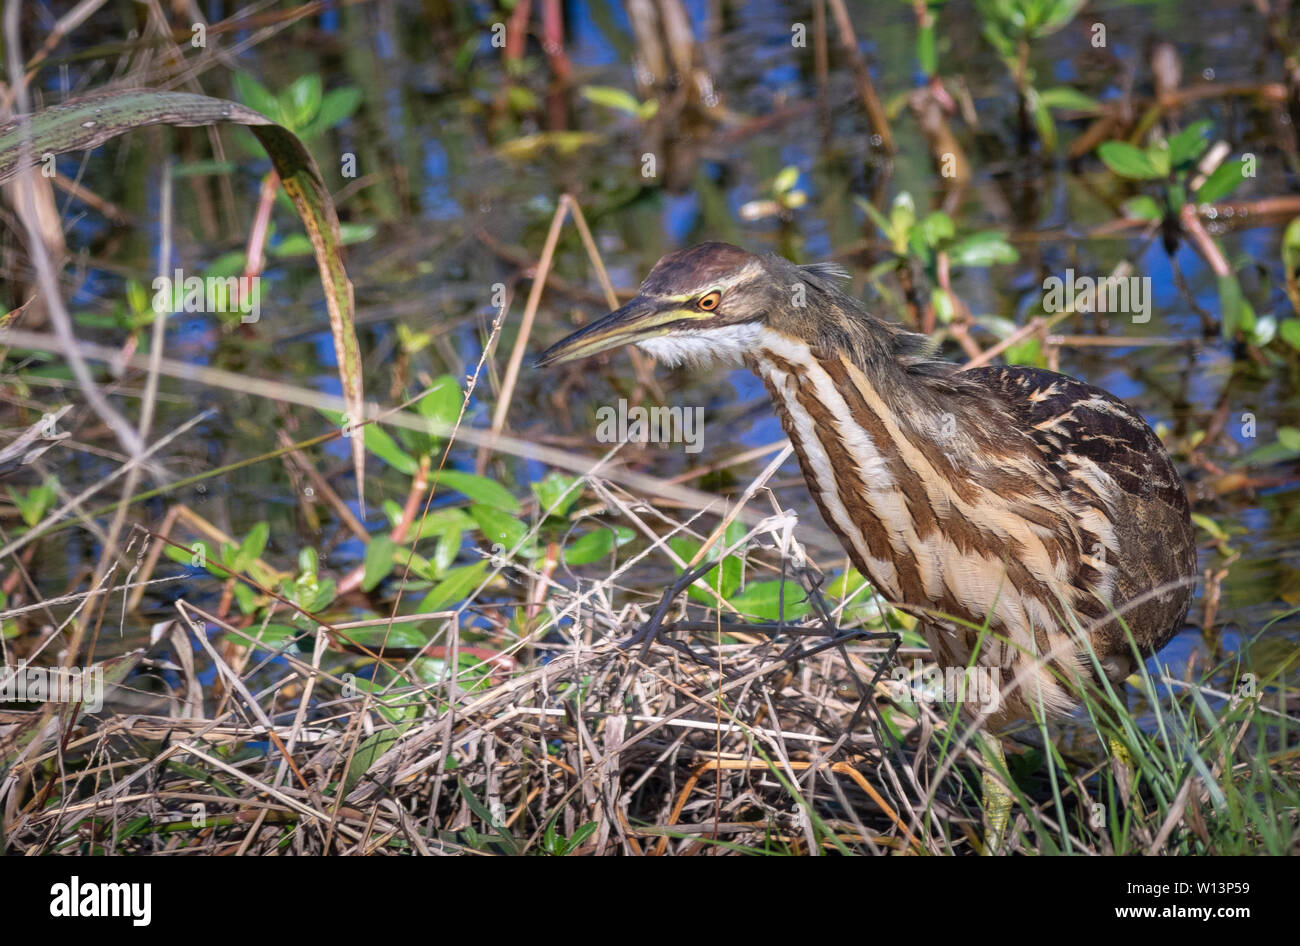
1063 415
1075 424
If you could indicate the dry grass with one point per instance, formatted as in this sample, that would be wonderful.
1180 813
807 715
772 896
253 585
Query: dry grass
590 749
659 755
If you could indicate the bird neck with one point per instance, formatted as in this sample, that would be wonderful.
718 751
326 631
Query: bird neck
902 482
850 447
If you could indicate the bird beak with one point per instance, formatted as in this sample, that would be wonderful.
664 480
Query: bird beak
640 319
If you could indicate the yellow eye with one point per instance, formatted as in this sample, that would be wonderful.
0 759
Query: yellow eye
709 301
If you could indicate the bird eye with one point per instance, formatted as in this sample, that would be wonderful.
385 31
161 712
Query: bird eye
709 301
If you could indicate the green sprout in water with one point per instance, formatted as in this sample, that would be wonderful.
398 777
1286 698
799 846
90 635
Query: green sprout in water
130 315
1011 27
1180 173
35 502
786 198
932 243
1174 163
303 107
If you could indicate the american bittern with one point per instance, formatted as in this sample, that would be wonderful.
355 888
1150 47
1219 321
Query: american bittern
1012 501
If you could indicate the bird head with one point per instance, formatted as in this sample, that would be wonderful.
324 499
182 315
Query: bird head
717 301
708 301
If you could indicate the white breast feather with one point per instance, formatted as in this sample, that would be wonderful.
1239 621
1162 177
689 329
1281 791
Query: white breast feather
727 343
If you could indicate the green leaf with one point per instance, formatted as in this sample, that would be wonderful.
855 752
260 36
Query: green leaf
337 106
448 547
1186 146
556 493
440 521
1289 437
936 227
503 835
33 503
1176 194
96 320
313 595
925 52
1267 455
902 216
398 708
941 301
580 836
455 587
480 489
876 217
1159 157
564 143
684 548
762 600
433 670
785 181
1215 530
228 264
254 545
308 562
732 567
378 561
186 555
1143 207
1128 161
367 753
1225 179
522 99
1066 97
300 102
299 244
1026 352
1234 307
999 40
136 297
1044 124
1058 14
1291 247
1289 330
499 528
612 97
441 403
379 443
271 637
589 548
402 633
982 249
257 96
245 597
843 586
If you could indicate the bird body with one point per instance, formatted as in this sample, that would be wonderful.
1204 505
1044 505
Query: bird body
1014 511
